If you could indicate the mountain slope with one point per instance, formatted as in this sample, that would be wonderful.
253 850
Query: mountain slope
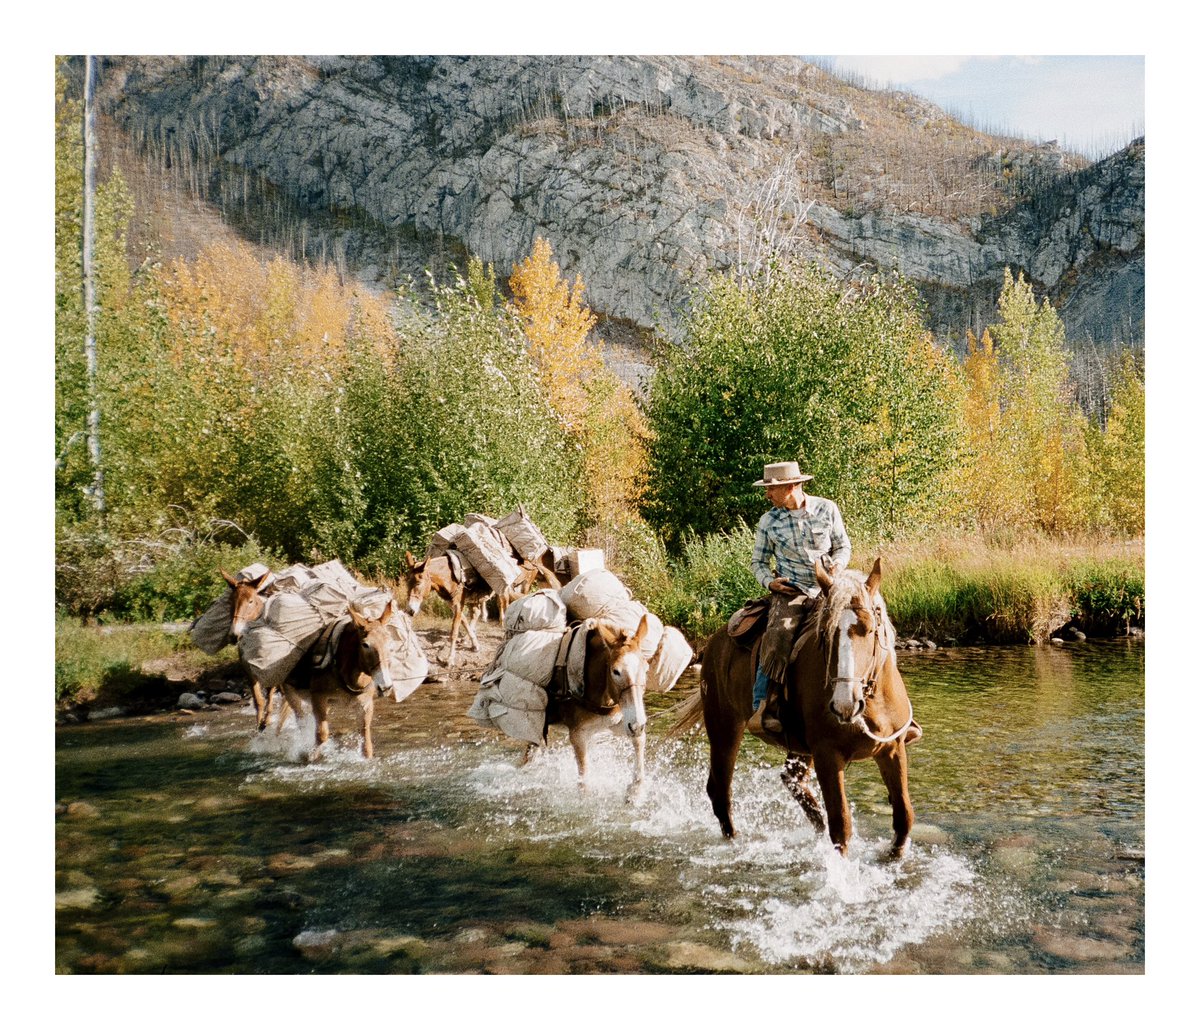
644 173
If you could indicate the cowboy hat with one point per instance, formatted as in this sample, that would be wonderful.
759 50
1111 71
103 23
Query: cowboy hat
781 473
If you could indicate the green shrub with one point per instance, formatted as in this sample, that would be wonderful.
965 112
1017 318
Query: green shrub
172 576
1108 595
91 663
707 582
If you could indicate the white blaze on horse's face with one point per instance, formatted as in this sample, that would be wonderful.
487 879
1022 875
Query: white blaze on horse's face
629 674
847 701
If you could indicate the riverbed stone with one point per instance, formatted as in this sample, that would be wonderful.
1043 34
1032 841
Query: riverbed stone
1075 948
77 897
115 712
617 931
694 955
316 944
927 833
227 697
82 810
189 700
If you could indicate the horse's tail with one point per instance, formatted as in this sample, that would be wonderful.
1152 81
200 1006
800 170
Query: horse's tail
688 713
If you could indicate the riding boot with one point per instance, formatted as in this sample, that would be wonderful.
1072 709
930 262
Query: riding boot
761 724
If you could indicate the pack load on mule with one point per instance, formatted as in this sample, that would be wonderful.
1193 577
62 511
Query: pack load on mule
468 562
212 630
545 650
301 603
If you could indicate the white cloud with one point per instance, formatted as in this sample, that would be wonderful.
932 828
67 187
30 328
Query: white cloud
894 70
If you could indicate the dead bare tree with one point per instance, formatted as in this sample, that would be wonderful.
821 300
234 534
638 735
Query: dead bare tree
89 281
768 219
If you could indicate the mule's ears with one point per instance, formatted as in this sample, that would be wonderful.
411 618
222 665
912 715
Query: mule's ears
228 578
642 630
360 620
261 582
408 557
874 578
386 617
612 637
824 579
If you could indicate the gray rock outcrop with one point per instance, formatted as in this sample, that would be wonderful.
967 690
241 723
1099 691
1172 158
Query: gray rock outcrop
644 173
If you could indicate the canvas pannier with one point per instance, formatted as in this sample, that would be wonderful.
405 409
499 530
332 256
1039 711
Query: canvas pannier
513 705
526 539
543 610
674 654
587 596
443 540
490 555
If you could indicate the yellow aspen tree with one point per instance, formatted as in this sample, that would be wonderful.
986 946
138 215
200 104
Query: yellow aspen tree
596 408
991 486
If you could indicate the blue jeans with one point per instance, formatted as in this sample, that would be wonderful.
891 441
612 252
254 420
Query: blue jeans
761 683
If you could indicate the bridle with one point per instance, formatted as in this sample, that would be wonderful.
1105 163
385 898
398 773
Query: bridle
869 681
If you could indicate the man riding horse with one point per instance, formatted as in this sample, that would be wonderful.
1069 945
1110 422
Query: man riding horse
799 531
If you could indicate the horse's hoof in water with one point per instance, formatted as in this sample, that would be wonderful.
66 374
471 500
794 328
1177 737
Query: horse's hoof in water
898 851
633 792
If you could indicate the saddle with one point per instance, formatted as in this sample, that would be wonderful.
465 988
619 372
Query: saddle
746 625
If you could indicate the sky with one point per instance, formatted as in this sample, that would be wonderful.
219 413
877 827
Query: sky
1090 104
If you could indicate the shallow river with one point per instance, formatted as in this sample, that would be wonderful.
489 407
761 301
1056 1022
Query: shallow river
185 843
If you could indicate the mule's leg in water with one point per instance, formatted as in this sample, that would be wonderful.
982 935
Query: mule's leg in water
262 705
320 707
797 776
831 774
580 734
455 623
472 619
366 712
634 790
893 767
290 701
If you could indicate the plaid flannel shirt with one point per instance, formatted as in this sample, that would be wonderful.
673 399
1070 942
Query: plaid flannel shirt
796 540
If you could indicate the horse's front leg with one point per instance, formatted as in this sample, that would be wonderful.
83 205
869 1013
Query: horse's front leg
634 790
366 712
831 774
893 767
797 777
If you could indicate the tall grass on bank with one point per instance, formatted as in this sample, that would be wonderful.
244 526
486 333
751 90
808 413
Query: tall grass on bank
961 588
104 665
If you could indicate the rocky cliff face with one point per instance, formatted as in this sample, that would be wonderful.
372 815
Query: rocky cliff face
643 173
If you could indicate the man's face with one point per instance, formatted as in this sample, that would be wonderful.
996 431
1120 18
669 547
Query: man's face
787 495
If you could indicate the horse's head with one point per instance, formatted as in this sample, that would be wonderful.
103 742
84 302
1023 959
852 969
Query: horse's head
248 601
373 647
417 580
858 637
627 671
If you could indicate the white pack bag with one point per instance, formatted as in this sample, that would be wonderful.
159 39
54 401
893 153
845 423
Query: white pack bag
543 610
674 654
513 705
586 596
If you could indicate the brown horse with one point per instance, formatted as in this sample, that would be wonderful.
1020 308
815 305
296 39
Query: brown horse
468 596
615 674
844 701
249 599
352 657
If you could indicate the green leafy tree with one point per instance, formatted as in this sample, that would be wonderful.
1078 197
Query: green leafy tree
799 365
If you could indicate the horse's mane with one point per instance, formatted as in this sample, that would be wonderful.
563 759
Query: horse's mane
847 583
